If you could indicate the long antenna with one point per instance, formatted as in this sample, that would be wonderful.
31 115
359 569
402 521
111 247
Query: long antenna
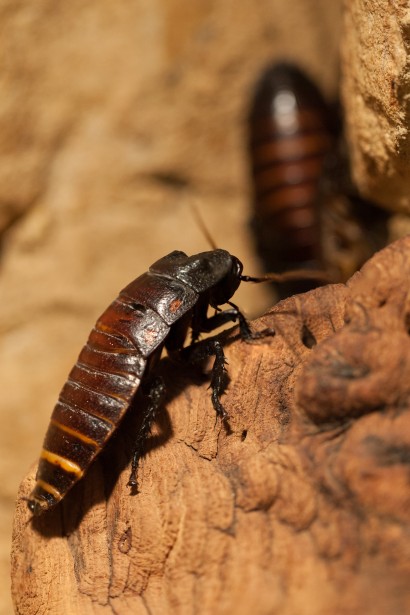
289 276
199 220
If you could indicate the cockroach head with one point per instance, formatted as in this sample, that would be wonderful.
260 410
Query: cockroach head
228 285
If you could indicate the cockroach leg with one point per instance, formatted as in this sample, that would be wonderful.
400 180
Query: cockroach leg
156 394
218 379
247 335
195 353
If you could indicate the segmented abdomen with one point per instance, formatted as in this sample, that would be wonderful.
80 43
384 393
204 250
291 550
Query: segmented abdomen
290 136
96 395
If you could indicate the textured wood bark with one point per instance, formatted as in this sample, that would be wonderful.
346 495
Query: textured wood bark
301 506
375 65
114 116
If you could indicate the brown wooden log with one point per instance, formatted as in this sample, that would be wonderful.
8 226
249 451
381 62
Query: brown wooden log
301 506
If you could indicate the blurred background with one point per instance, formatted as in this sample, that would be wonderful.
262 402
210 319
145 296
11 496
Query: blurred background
114 119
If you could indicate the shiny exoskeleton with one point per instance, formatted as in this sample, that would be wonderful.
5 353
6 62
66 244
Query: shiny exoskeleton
153 311
307 212
291 133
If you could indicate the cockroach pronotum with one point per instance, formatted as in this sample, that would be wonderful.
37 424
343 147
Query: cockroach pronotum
154 311
306 210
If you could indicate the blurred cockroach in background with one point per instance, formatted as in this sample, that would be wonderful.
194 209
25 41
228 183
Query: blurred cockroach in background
306 213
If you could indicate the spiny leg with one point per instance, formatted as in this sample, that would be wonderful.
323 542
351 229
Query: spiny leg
206 325
218 378
198 352
218 372
155 395
247 335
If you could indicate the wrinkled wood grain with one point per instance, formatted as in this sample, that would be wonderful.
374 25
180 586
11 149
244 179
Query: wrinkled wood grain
375 84
114 117
302 506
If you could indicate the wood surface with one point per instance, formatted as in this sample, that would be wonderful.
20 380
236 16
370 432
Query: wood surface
300 506
375 91
115 116
113 119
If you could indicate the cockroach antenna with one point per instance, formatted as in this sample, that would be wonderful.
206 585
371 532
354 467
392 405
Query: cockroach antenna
279 278
202 226
289 276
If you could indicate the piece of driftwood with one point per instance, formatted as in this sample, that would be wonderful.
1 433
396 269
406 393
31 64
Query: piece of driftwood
301 506
375 87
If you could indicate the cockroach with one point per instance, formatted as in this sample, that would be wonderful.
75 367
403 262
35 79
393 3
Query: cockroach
291 133
154 311
306 211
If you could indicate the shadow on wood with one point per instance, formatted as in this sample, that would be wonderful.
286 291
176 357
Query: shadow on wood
301 507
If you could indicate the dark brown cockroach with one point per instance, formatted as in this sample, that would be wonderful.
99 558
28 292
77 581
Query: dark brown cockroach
291 133
306 212
154 311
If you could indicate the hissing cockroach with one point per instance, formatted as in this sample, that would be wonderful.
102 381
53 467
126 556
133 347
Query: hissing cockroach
307 212
155 310
291 131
